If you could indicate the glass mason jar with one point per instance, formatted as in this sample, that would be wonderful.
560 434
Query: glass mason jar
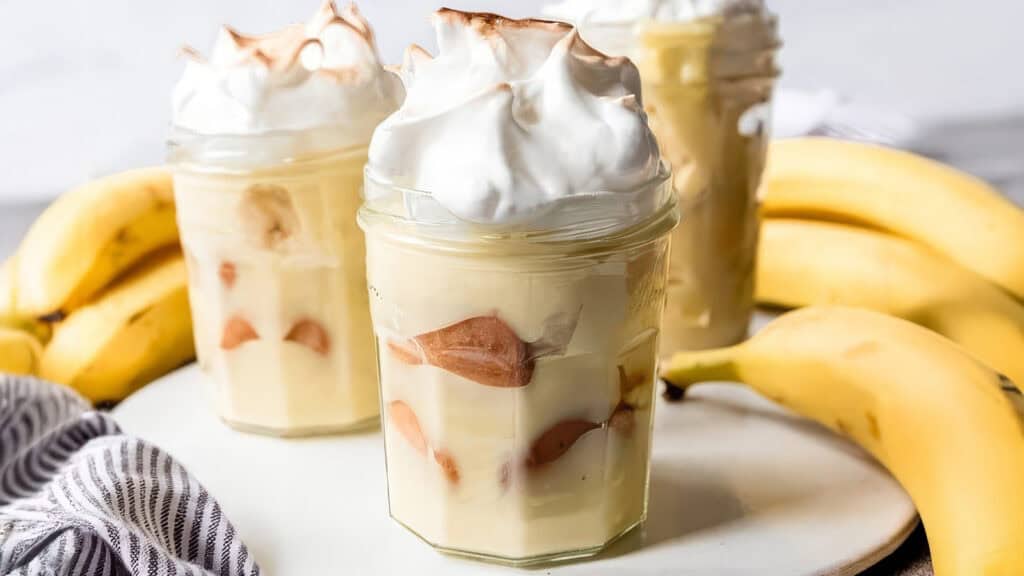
518 370
707 89
277 279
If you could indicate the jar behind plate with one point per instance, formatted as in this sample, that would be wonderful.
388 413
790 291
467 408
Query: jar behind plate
707 87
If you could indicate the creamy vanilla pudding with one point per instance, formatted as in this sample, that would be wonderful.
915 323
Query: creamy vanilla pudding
269 146
708 70
517 218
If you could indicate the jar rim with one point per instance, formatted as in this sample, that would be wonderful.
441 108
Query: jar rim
591 218
242 152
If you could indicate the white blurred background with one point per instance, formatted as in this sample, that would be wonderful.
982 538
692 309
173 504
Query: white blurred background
84 85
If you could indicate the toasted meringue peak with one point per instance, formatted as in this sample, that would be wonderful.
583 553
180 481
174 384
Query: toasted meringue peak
325 72
512 118
608 11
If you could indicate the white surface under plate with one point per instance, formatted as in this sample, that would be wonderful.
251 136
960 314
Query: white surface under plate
738 487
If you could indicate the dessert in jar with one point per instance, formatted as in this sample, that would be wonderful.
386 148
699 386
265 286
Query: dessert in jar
269 145
708 71
517 218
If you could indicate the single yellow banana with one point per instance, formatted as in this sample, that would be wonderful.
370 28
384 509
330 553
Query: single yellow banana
19 352
136 331
951 212
806 263
8 314
947 427
89 236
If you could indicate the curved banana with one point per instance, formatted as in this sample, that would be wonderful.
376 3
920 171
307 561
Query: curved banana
951 212
89 236
948 428
136 331
19 352
806 263
8 314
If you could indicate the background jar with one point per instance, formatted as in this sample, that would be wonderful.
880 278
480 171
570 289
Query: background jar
707 89
277 278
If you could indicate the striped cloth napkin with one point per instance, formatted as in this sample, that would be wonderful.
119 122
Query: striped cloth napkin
78 497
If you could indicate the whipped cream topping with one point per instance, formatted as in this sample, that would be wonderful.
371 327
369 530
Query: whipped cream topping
324 73
609 11
513 118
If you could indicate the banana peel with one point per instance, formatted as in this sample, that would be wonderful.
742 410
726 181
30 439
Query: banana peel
90 236
806 263
137 330
950 212
947 427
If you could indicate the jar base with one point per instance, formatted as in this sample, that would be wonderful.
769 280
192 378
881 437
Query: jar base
306 432
530 561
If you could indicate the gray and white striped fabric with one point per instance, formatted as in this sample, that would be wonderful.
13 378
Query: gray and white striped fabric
77 497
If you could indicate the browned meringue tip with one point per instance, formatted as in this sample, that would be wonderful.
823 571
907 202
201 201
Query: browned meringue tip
349 16
190 53
581 48
281 49
354 16
413 57
489 23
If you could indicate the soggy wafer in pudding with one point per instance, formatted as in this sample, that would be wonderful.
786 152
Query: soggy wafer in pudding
517 218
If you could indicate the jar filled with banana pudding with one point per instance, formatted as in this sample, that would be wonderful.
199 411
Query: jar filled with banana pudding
268 149
708 72
518 222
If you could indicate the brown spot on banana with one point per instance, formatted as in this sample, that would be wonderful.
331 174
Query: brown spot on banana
873 428
1008 385
844 428
138 315
53 317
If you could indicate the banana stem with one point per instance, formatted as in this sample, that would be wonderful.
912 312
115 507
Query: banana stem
689 368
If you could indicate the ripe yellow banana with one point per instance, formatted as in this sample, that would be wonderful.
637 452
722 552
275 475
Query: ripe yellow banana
19 352
89 236
136 331
947 427
951 212
8 314
806 263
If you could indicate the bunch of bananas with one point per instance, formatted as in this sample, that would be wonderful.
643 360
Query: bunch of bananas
911 342
95 296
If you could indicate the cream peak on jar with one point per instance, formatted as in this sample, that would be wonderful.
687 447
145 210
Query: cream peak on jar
325 72
617 11
514 118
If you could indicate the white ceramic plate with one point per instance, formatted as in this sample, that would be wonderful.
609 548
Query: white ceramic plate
738 487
